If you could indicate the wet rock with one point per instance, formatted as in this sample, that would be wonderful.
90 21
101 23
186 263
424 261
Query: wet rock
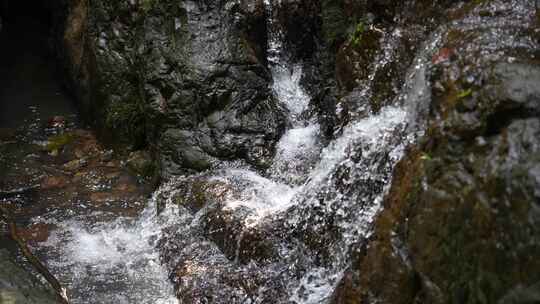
112 164
141 163
70 24
86 144
363 49
233 230
7 135
125 184
75 164
460 222
516 84
299 22
53 182
17 285
100 197
35 233
237 238
199 192
66 183
212 277
192 78
107 156
164 68
186 155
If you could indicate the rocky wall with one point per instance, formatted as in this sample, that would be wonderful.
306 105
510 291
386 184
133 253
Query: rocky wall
187 79
460 223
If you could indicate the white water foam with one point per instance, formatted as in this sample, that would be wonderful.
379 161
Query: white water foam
111 262
264 196
296 154
289 92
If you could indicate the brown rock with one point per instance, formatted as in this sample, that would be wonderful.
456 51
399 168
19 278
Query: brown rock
36 233
54 182
100 197
75 164
126 187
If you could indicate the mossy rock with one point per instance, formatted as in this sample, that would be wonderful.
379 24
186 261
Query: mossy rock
354 59
58 142
128 120
141 163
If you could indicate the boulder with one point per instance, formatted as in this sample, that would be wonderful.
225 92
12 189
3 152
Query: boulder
140 163
189 78
460 223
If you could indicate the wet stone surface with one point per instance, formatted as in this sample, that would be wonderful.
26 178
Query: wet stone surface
390 158
61 185
18 286
47 171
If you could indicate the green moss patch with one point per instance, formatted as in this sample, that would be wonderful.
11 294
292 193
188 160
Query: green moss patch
128 119
57 142
356 37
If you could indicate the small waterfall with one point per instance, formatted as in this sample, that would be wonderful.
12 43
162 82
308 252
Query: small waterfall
238 235
275 34
297 150
307 211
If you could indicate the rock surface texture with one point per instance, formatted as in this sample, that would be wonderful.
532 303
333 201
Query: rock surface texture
18 286
191 81
187 78
460 223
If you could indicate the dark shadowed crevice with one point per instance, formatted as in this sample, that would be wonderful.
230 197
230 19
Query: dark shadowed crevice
502 119
28 79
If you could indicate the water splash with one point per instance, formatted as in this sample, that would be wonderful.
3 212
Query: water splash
307 211
261 194
111 262
238 235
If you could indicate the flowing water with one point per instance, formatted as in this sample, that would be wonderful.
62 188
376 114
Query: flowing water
110 261
287 234
280 236
98 260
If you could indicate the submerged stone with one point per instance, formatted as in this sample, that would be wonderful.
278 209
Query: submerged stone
18 286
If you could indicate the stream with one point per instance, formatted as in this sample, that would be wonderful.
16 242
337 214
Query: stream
288 234
285 235
85 221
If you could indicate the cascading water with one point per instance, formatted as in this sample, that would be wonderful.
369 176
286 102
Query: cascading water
237 235
286 235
